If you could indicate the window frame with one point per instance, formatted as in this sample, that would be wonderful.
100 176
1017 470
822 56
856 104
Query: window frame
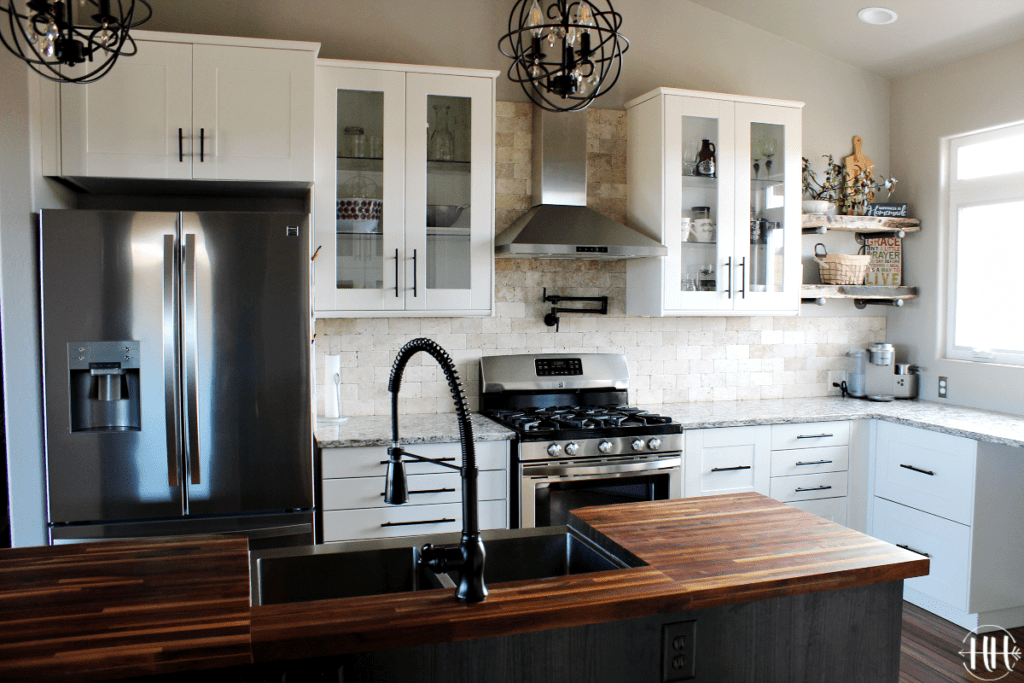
960 194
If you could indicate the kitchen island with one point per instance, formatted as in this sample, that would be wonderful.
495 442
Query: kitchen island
771 589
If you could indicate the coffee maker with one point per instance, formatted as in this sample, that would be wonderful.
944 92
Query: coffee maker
885 379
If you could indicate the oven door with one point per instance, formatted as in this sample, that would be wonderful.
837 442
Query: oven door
550 490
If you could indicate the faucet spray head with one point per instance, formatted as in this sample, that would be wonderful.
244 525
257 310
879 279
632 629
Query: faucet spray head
396 484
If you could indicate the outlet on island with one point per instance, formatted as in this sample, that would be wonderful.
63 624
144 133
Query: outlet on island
678 651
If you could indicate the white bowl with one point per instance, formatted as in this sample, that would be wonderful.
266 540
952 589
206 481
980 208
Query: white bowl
361 225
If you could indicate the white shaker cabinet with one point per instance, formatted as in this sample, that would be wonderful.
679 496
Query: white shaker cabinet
750 263
960 503
190 107
811 467
727 460
404 199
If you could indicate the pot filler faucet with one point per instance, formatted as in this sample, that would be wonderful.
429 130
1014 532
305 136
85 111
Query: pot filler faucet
468 556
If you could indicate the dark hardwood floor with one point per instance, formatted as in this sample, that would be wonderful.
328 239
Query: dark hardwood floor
929 653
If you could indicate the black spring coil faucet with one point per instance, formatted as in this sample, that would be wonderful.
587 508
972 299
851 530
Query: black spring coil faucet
468 556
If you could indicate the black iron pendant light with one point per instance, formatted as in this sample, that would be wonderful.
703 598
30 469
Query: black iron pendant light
51 34
566 56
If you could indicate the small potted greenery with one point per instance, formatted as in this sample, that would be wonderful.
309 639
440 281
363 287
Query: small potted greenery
826 195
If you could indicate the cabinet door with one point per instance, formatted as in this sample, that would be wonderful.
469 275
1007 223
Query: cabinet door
127 123
699 261
361 251
252 113
767 269
449 193
727 460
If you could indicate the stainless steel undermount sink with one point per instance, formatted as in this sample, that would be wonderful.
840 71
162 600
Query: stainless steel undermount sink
350 569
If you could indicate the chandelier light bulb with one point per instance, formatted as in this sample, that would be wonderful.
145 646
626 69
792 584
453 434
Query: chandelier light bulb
536 19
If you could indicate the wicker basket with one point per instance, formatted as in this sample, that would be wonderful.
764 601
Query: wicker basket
841 269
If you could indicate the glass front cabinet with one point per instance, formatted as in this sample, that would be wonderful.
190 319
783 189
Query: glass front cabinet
404 194
715 178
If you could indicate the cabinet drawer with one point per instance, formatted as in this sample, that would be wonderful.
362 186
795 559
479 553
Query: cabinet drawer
407 520
809 486
810 461
926 470
365 461
424 489
832 509
948 543
727 468
810 435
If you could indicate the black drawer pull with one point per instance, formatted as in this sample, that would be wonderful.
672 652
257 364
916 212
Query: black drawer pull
816 462
202 145
915 469
815 436
730 469
385 462
907 547
181 148
431 491
422 521
817 488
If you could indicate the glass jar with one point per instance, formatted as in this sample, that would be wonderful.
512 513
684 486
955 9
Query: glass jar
441 146
355 141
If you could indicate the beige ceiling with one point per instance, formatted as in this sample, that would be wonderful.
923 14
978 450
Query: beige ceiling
927 33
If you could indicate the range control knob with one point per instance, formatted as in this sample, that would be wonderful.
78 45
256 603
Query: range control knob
554 449
638 445
572 448
654 444
605 446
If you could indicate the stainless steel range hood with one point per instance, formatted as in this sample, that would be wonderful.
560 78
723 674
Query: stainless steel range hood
560 225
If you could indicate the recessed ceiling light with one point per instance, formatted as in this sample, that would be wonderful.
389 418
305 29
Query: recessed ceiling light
876 15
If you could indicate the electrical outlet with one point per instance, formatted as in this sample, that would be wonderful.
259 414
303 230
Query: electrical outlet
835 377
678 651
943 387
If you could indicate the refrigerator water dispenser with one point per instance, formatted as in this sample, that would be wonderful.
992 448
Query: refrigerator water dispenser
104 386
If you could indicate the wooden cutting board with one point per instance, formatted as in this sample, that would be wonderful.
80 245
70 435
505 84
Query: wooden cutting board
857 162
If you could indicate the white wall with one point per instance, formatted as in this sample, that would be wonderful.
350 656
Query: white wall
975 93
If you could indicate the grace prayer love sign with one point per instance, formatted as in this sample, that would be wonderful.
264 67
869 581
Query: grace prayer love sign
886 266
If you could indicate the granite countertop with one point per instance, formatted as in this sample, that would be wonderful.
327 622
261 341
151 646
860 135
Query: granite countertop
971 423
375 430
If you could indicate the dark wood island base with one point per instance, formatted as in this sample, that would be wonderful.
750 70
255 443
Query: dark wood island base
738 587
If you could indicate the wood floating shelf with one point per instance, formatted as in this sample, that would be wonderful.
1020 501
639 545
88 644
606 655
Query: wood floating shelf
862 295
819 224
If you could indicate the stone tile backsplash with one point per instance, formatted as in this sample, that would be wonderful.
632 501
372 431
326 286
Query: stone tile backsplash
670 359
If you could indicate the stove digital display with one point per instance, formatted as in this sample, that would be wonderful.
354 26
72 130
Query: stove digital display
549 367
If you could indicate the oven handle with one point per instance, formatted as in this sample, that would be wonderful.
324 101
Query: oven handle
581 471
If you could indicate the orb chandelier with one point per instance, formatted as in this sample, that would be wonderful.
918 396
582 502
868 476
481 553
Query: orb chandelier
51 34
566 56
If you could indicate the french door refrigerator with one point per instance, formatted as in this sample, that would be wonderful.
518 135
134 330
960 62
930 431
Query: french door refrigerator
176 375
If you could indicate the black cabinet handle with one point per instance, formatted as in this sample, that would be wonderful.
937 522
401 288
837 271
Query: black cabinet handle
916 469
202 144
815 462
730 469
430 491
815 436
414 273
818 488
422 521
743 279
728 278
396 273
181 147
907 547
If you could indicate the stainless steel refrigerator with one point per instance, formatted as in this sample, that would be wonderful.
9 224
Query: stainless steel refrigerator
176 361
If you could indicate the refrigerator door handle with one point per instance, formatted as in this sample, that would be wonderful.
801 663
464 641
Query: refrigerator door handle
171 364
191 337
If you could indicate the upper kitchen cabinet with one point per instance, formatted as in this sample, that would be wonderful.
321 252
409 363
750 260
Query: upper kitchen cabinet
716 179
190 107
404 196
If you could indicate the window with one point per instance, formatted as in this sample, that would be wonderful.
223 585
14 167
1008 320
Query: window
985 318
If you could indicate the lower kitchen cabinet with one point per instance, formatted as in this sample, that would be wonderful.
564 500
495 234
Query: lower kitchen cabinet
810 467
352 492
960 503
727 460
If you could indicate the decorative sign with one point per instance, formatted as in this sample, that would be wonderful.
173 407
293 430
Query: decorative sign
886 266
887 210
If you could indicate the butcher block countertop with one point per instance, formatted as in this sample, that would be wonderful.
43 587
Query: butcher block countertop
702 552
117 609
